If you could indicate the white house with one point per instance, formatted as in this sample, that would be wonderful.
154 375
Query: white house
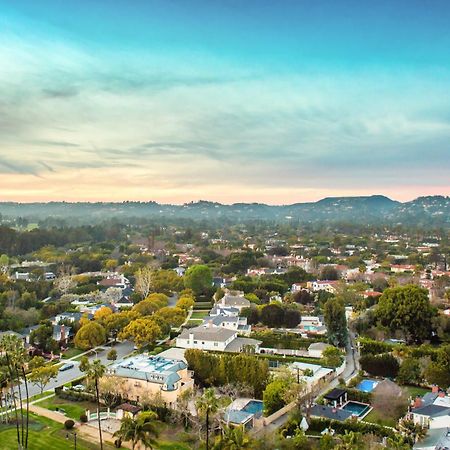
206 338
236 323
323 285
237 302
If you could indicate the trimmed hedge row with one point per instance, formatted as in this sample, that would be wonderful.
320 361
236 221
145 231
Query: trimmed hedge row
74 396
319 424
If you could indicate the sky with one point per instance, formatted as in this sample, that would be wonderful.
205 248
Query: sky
230 101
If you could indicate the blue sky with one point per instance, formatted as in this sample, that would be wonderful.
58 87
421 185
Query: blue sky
231 101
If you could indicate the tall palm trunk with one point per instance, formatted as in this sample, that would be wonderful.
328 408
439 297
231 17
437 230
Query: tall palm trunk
207 429
11 374
28 406
21 407
98 413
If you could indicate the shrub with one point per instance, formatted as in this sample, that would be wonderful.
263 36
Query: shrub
371 346
384 365
319 424
83 418
69 424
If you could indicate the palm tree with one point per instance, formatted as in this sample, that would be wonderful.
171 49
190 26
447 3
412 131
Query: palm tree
208 404
139 429
351 441
94 371
397 442
15 357
233 438
412 430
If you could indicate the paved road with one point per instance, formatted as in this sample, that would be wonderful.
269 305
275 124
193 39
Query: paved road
123 349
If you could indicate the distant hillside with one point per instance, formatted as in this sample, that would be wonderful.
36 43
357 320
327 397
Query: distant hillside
424 211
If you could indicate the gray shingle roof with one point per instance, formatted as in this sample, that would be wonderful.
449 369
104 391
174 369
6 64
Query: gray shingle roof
208 333
330 413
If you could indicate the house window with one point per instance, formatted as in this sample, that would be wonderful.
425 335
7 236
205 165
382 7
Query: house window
195 342
216 344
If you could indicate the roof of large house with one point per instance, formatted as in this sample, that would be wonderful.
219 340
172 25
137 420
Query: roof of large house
208 333
231 300
432 411
150 368
330 412
218 320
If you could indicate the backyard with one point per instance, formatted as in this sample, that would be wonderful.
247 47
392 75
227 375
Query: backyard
71 409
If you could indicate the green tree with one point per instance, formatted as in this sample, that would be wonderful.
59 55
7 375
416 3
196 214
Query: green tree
199 279
233 438
112 355
274 395
90 335
332 356
408 309
336 322
94 371
142 331
42 338
410 371
41 376
208 405
141 429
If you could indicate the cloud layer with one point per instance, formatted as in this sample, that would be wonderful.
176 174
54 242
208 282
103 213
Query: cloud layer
78 123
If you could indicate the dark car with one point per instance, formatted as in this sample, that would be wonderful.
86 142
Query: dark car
66 366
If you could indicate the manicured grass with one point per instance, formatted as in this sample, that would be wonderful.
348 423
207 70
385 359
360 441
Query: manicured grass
378 418
43 434
199 314
414 391
194 322
72 352
72 410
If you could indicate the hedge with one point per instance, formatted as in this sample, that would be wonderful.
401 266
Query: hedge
74 396
285 340
319 424
371 346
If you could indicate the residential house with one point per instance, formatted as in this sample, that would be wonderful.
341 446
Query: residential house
323 285
432 410
214 338
145 376
238 302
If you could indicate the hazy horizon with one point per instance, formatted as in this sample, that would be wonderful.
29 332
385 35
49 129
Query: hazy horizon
233 101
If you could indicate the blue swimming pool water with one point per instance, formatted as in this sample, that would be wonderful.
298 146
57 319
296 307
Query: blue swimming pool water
254 407
367 385
358 409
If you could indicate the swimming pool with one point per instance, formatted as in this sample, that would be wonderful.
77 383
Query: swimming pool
367 385
356 408
254 407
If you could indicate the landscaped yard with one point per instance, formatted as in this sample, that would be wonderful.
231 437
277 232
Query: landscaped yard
72 410
43 434
375 417
71 352
414 391
199 314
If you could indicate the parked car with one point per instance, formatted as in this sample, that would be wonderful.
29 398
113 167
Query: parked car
66 366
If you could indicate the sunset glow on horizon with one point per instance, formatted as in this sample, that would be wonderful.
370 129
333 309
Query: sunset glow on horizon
253 101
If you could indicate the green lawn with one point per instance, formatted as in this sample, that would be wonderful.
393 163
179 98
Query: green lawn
72 352
414 391
199 314
43 434
375 417
72 410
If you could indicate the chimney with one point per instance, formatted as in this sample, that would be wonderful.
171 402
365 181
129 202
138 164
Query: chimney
417 402
442 394
434 389
334 410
